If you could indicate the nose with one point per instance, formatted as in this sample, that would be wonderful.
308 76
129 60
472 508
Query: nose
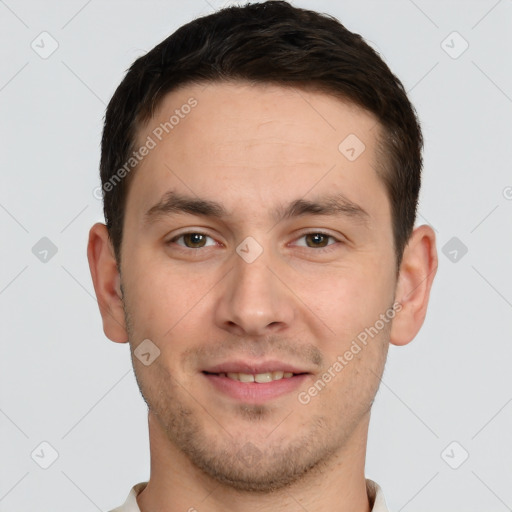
254 299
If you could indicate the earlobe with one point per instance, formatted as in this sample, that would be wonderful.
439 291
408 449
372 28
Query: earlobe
107 283
417 272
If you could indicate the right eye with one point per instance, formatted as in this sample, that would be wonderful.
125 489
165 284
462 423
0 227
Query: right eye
192 240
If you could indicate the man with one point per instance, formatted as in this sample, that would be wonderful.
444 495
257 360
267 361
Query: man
261 170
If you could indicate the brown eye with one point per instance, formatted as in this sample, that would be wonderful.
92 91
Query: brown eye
191 240
194 240
317 239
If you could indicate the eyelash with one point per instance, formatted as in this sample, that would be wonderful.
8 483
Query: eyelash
327 248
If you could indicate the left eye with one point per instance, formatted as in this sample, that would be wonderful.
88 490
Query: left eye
316 240
193 240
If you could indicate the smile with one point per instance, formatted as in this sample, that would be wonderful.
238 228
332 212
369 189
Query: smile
255 387
258 377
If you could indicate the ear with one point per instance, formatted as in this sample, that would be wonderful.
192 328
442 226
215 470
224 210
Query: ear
417 272
107 283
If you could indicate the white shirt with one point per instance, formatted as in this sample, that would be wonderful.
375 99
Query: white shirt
375 495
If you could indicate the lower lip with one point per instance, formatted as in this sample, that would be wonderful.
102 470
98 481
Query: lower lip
255 392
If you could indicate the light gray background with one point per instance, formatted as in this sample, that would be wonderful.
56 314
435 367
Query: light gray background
63 382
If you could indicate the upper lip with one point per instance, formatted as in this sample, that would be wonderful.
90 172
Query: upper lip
254 368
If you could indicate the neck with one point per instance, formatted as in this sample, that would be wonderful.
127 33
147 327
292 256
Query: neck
176 484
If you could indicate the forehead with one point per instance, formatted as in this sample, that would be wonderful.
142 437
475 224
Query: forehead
265 141
242 112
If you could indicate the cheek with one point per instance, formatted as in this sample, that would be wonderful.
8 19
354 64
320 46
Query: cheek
350 296
164 297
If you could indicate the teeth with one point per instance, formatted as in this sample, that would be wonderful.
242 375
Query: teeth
259 377
263 377
245 377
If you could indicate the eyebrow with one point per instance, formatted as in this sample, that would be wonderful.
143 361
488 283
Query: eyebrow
173 203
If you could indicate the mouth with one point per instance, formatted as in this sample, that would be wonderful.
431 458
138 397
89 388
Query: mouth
257 382
256 377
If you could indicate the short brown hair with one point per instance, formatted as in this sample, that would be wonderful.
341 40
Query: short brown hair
270 42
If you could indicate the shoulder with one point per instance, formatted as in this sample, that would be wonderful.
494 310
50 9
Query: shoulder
130 505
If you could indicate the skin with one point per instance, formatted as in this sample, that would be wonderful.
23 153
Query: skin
303 300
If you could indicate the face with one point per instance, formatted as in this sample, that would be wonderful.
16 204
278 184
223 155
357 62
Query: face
255 249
